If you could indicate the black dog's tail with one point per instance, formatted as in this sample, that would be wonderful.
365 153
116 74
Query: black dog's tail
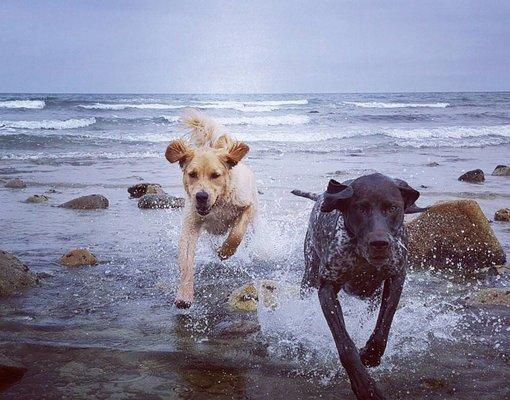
414 209
308 195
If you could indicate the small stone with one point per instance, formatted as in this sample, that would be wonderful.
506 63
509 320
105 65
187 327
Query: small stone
313 112
37 198
15 184
78 257
474 176
502 215
490 297
141 189
90 202
160 201
433 383
244 298
432 164
501 170
268 293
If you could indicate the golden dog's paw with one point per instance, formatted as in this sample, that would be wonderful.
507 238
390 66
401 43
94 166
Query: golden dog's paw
225 252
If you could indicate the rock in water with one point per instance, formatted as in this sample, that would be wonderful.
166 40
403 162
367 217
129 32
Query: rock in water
501 170
490 297
475 176
244 298
454 235
14 275
158 201
15 184
91 202
78 257
10 371
268 293
502 215
141 189
37 198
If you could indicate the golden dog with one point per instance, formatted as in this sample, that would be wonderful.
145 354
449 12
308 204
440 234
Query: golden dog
221 193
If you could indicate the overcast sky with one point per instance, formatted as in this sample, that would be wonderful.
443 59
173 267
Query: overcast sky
254 46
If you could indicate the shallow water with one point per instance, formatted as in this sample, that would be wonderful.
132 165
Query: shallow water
110 331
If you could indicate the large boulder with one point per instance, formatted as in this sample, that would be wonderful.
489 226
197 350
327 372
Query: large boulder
501 170
15 184
141 189
158 201
502 215
455 235
490 297
14 275
78 257
475 176
10 371
90 202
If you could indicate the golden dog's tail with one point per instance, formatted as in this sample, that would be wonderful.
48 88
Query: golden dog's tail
204 131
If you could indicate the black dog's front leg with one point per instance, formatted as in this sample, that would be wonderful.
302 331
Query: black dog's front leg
374 349
363 386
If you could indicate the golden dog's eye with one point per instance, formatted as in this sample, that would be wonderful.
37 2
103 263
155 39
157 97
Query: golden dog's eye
215 175
192 175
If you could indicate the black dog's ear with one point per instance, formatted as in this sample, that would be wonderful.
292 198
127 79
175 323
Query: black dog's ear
409 195
336 196
335 187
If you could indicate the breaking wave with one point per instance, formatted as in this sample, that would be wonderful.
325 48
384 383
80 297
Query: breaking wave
290 119
48 124
31 104
375 104
124 106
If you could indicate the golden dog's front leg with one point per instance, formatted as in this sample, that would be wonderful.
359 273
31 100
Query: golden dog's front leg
186 259
236 234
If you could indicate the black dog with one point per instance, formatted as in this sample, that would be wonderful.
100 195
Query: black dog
356 241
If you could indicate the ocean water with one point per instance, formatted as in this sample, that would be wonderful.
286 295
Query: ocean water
115 322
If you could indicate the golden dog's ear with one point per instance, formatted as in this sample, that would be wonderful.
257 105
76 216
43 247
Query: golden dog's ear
178 151
235 153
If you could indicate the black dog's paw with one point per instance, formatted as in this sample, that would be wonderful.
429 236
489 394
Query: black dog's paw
370 356
182 304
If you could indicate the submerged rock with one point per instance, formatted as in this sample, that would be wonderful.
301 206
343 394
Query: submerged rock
90 202
244 298
230 329
501 170
37 198
158 201
269 294
502 215
10 371
454 235
14 275
141 189
490 297
78 257
474 176
15 184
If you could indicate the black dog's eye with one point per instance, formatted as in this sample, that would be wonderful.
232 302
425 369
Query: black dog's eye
392 209
215 175
192 175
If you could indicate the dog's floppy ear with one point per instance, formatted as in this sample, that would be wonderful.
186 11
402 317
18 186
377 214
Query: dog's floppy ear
235 153
409 194
177 150
336 196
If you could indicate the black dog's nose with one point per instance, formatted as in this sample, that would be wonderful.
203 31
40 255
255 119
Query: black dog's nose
379 244
202 197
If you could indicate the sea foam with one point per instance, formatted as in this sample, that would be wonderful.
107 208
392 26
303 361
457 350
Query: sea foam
124 106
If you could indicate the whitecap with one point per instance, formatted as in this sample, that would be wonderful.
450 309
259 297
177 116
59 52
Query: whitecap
290 119
123 106
376 104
